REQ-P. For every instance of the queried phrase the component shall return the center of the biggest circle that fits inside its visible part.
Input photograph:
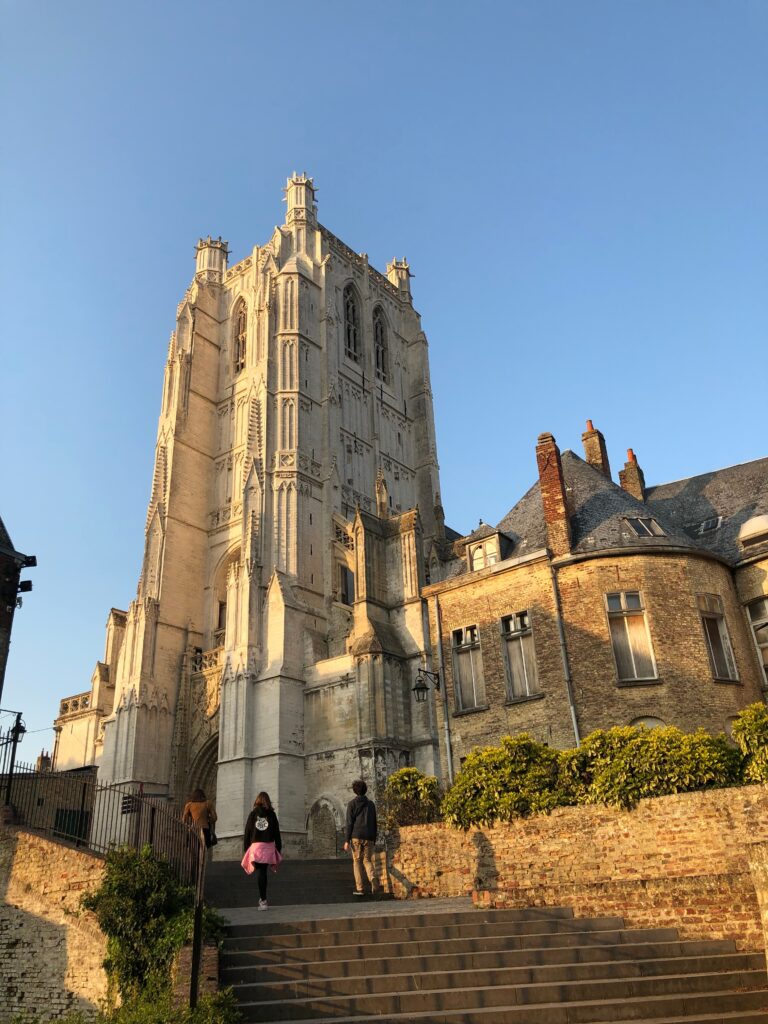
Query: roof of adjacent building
(736, 493)
(6, 544)
(600, 511)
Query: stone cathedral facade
(277, 627)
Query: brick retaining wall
(681, 861)
(51, 951)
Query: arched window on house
(351, 324)
(380, 344)
(241, 325)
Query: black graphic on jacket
(262, 827)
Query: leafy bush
(220, 1008)
(147, 916)
(657, 762)
(750, 731)
(618, 767)
(410, 798)
(518, 778)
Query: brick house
(593, 604)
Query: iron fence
(72, 806)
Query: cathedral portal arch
(203, 770)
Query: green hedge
(617, 767)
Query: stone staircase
(533, 966)
(297, 882)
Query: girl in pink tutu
(262, 843)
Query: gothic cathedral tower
(277, 627)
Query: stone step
(376, 984)
(374, 934)
(655, 999)
(483, 943)
(499, 957)
(712, 1008)
(417, 919)
(296, 882)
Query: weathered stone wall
(51, 951)
(679, 861)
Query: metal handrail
(72, 806)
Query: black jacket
(262, 827)
(361, 818)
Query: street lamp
(421, 689)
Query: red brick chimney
(595, 450)
(631, 477)
(553, 495)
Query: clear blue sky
(580, 188)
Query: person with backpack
(262, 843)
(361, 832)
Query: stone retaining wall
(51, 951)
(681, 861)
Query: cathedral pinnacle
(211, 258)
(300, 196)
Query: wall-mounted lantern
(421, 689)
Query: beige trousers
(362, 857)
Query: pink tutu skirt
(260, 853)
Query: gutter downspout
(443, 690)
(564, 653)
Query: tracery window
(241, 324)
(351, 324)
(380, 344)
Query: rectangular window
(630, 637)
(520, 663)
(758, 616)
(467, 668)
(346, 585)
(718, 642)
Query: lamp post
(421, 689)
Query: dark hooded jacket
(361, 819)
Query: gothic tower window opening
(241, 326)
(351, 324)
(380, 344)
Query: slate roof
(601, 509)
(737, 493)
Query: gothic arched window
(380, 344)
(351, 324)
(241, 324)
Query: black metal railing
(72, 806)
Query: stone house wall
(684, 693)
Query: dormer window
(709, 525)
(645, 527)
(483, 554)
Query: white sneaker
(263, 905)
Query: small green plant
(516, 779)
(750, 732)
(410, 798)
